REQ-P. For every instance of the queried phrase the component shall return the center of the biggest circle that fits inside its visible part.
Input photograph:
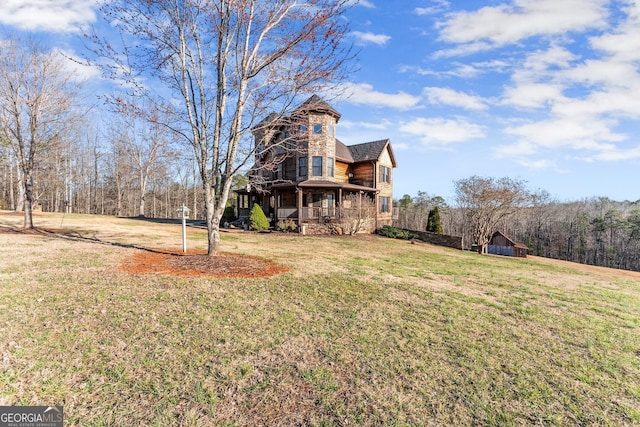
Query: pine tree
(257, 219)
(433, 221)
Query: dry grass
(365, 331)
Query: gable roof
(343, 153)
(317, 104)
(267, 121)
(370, 151)
(515, 244)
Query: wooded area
(595, 231)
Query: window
(317, 128)
(385, 174)
(316, 166)
(384, 204)
(332, 131)
(330, 166)
(303, 128)
(302, 166)
(243, 201)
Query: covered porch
(316, 201)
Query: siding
(363, 174)
(342, 172)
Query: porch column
(276, 205)
(375, 197)
(339, 206)
(299, 205)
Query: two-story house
(304, 173)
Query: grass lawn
(359, 331)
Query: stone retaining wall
(439, 239)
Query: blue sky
(547, 91)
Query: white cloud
(624, 41)
(577, 133)
(446, 96)
(365, 3)
(439, 6)
(539, 164)
(364, 94)
(616, 154)
(380, 125)
(366, 38)
(63, 16)
(532, 95)
(504, 24)
(441, 131)
(75, 65)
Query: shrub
(257, 219)
(433, 222)
(286, 225)
(229, 214)
(396, 233)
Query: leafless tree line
(596, 231)
(97, 174)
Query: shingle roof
(369, 151)
(267, 121)
(509, 239)
(343, 153)
(315, 103)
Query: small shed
(500, 244)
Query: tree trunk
(213, 226)
(28, 200)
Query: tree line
(596, 231)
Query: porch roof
(325, 184)
(332, 184)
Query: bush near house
(257, 219)
(229, 214)
(396, 233)
(286, 225)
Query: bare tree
(229, 62)
(145, 141)
(37, 97)
(488, 201)
(357, 213)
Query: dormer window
(317, 128)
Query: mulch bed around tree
(195, 264)
(176, 263)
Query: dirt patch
(31, 231)
(195, 264)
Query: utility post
(184, 211)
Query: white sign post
(185, 214)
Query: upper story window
(332, 131)
(303, 169)
(316, 166)
(330, 166)
(317, 128)
(302, 128)
(385, 174)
